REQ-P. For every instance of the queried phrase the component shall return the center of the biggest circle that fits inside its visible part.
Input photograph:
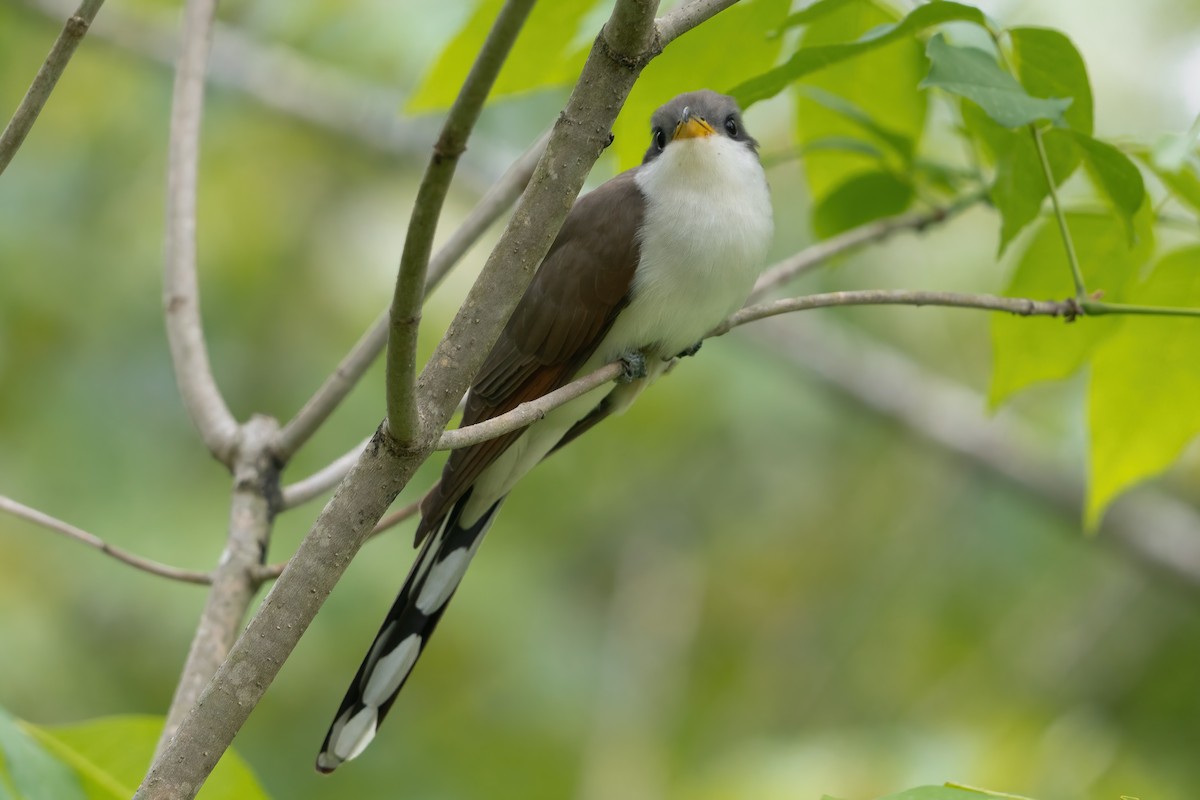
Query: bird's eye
(731, 126)
(660, 138)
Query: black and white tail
(431, 583)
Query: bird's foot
(633, 366)
(689, 351)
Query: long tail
(431, 583)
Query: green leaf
(35, 772)
(976, 75)
(1114, 175)
(1145, 386)
(692, 61)
(1030, 350)
(934, 793)
(1182, 179)
(546, 53)
(1050, 66)
(110, 757)
(807, 60)
(812, 13)
(898, 143)
(859, 200)
(870, 98)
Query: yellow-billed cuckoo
(643, 267)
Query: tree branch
(405, 315)
(818, 254)
(10, 506)
(688, 15)
(45, 80)
(181, 298)
(383, 469)
(351, 369)
(235, 579)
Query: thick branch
(351, 369)
(181, 297)
(405, 316)
(44, 82)
(235, 579)
(383, 470)
(8, 505)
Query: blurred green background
(772, 592)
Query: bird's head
(696, 117)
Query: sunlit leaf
(1029, 350)
(861, 199)
(545, 53)
(807, 60)
(110, 757)
(934, 793)
(34, 771)
(1049, 66)
(870, 97)
(1145, 386)
(977, 76)
(1182, 179)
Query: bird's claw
(689, 351)
(633, 366)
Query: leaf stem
(1068, 242)
(1094, 308)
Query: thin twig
(181, 298)
(529, 412)
(8, 505)
(686, 16)
(47, 77)
(816, 255)
(1025, 307)
(405, 316)
(324, 479)
(351, 369)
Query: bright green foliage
(1114, 175)
(859, 200)
(868, 100)
(975, 75)
(713, 56)
(807, 60)
(1034, 349)
(108, 758)
(31, 771)
(942, 793)
(1049, 66)
(1180, 177)
(547, 53)
(1145, 385)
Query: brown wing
(564, 315)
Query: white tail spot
(356, 734)
(390, 671)
(442, 580)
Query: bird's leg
(689, 351)
(634, 364)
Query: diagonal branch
(613, 64)
(44, 82)
(405, 316)
(181, 298)
(10, 506)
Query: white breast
(707, 228)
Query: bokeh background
(754, 585)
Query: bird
(643, 267)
